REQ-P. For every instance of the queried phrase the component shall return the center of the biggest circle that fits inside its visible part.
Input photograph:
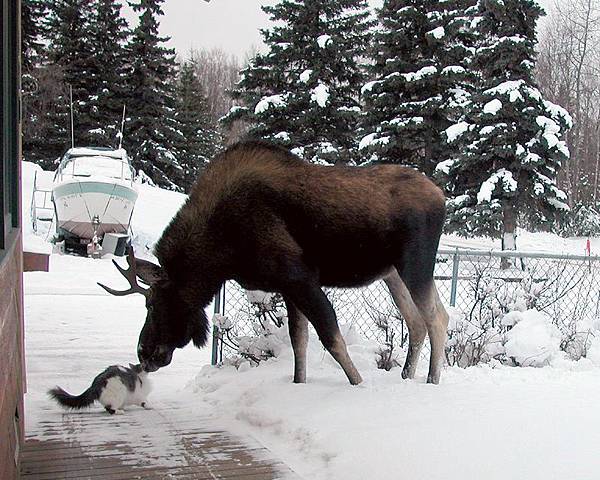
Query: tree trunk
(509, 232)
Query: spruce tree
(512, 140)
(421, 80)
(151, 134)
(33, 32)
(200, 140)
(70, 50)
(109, 34)
(303, 93)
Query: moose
(265, 218)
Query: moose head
(170, 321)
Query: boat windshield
(95, 166)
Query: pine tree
(34, 73)
(70, 50)
(32, 33)
(200, 140)
(109, 35)
(421, 80)
(151, 132)
(303, 93)
(512, 140)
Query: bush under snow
(534, 341)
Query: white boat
(94, 194)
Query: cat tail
(71, 401)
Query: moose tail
(71, 401)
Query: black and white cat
(115, 388)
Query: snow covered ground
(492, 421)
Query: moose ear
(148, 272)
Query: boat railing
(42, 208)
(67, 169)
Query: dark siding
(12, 373)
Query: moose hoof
(408, 373)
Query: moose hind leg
(298, 327)
(436, 319)
(416, 325)
(313, 303)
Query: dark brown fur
(263, 217)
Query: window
(10, 133)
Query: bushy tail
(70, 401)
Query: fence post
(215, 333)
(454, 285)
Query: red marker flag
(588, 247)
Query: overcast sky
(232, 25)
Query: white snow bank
(534, 341)
(388, 427)
(153, 211)
(35, 244)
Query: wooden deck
(162, 443)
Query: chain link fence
(480, 286)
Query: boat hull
(84, 208)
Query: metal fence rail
(482, 285)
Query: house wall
(11, 361)
(12, 370)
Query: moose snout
(159, 357)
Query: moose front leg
(298, 327)
(310, 300)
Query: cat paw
(110, 410)
(145, 405)
(119, 411)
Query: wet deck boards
(163, 443)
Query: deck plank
(165, 444)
